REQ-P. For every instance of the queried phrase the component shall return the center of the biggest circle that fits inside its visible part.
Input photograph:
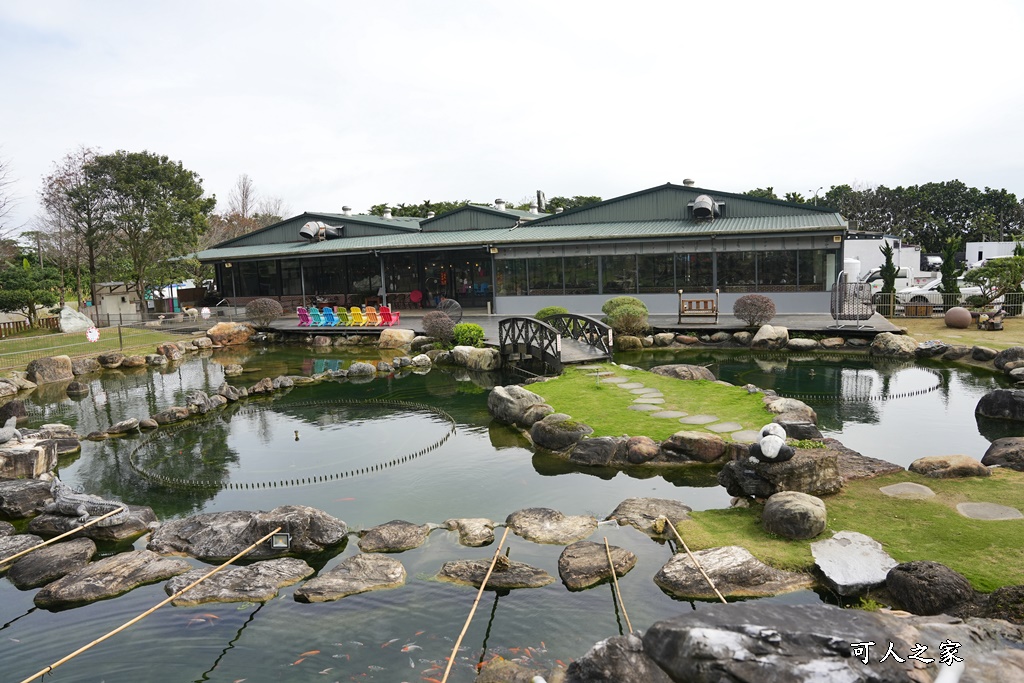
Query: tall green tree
(156, 211)
(951, 269)
(24, 287)
(418, 210)
(763, 193)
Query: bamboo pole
(50, 668)
(693, 559)
(63, 535)
(455, 650)
(615, 581)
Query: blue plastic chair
(316, 319)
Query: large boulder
(507, 574)
(140, 520)
(217, 536)
(646, 514)
(927, 588)
(170, 351)
(231, 334)
(510, 404)
(558, 431)
(852, 562)
(814, 471)
(770, 337)
(481, 360)
(619, 659)
(597, 452)
(693, 446)
(108, 578)
(23, 497)
(50, 563)
(28, 458)
(889, 345)
(110, 360)
(73, 321)
(1006, 452)
(85, 366)
(357, 574)
(50, 369)
(395, 338)
(794, 515)
(171, 415)
(684, 371)
(1002, 404)
(949, 466)
(584, 564)
(14, 544)
(794, 409)
(733, 570)
(393, 537)
(544, 525)
(1014, 353)
(257, 582)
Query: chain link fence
(935, 304)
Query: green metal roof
(532, 234)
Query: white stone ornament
(92, 334)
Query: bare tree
(244, 198)
(7, 200)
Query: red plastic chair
(387, 317)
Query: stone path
(986, 511)
(650, 400)
(908, 490)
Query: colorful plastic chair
(372, 319)
(304, 319)
(388, 317)
(356, 316)
(329, 317)
(342, 315)
(316, 319)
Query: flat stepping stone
(258, 582)
(907, 490)
(507, 574)
(395, 536)
(723, 427)
(644, 406)
(734, 571)
(646, 390)
(649, 399)
(632, 385)
(615, 380)
(746, 436)
(989, 511)
(669, 414)
(699, 419)
(584, 564)
(544, 525)
(358, 574)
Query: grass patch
(923, 329)
(988, 553)
(605, 407)
(19, 350)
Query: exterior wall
(978, 251)
(471, 219)
(657, 304)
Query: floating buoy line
(181, 483)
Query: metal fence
(936, 304)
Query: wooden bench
(694, 307)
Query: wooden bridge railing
(524, 336)
(583, 329)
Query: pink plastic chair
(304, 319)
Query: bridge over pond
(556, 341)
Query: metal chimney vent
(346, 210)
(688, 182)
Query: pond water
(384, 460)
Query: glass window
(581, 275)
(656, 274)
(329, 276)
(737, 271)
(364, 271)
(291, 278)
(776, 271)
(401, 273)
(511, 277)
(545, 276)
(693, 272)
(248, 278)
(813, 270)
(269, 283)
(619, 274)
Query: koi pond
(388, 451)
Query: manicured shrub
(468, 334)
(263, 311)
(754, 309)
(438, 325)
(548, 311)
(628, 319)
(616, 302)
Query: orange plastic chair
(372, 318)
(356, 317)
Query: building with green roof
(649, 244)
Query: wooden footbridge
(556, 341)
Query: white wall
(976, 251)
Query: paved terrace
(805, 323)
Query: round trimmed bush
(628, 319)
(263, 311)
(549, 311)
(618, 301)
(468, 334)
(438, 325)
(754, 309)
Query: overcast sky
(326, 104)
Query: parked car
(929, 293)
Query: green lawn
(18, 351)
(988, 553)
(605, 407)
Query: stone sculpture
(67, 501)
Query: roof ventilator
(705, 208)
(318, 231)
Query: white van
(904, 278)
